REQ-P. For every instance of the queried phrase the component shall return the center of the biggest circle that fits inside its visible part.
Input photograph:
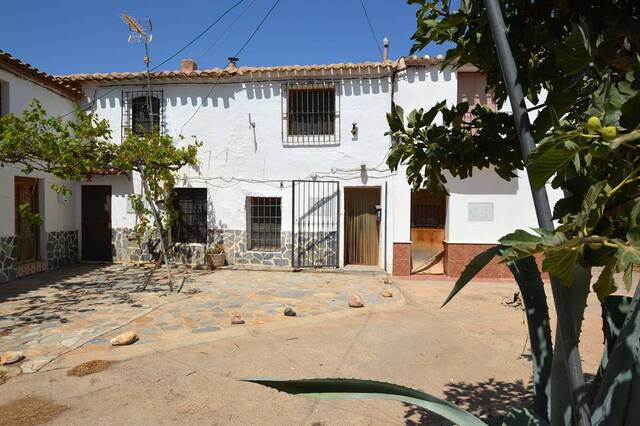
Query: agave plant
(579, 63)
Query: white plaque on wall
(480, 212)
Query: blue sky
(72, 36)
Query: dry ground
(470, 352)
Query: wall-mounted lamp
(354, 130)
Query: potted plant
(215, 256)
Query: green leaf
(544, 163)
(350, 389)
(471, 270)
(630, 118)
(592, 206)
(629, 252)
(559, 261)
(634, 216)
(605, 284)
(573, 56)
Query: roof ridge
(244, 70)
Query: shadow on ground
(62, 296)
(488, 400)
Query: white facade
(240, 117)
(17, 90)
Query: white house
(292, 172)
(25, 248)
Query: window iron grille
(311, 113)
(191, 207)
(135, 112)
(265, 222)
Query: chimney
(385, 52)
(233, 64)
(188, 66)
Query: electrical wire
(257, 28)
(197, 109)
(237, 18)
(373, 33)
(90, 105)
(206, 30)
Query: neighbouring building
(292, 172)
(24, 247)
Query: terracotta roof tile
(23, 68)
(290, 70)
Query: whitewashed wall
(512, 204)
(17, 93)
(238, 160)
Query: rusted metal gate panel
(361, 226)
(314, 223)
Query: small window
(428, 210)
(265, 221)
(141, 121)
(472, 88)
(311, 114)
(142, 112)
(191, 207)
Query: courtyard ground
(473, 352)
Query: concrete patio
(80, 309)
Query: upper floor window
(311, 113)
(472, 88)
(142, 112)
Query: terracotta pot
(215, 260)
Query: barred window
(191, 207)
(311, 113)
(428, 210)
(265, 221)
(136, 117)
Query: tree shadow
(59, 297)
(489, 400)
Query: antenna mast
(140, 30)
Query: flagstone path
(51, 314)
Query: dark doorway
(361, 226)
(96, 223)
(26, 230)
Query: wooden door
(362, 226)
(96, 223)
(26, 193)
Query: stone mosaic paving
(52, 313)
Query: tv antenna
(140, 31)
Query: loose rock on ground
(124, 339)
(11, 357)
(356, 302)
